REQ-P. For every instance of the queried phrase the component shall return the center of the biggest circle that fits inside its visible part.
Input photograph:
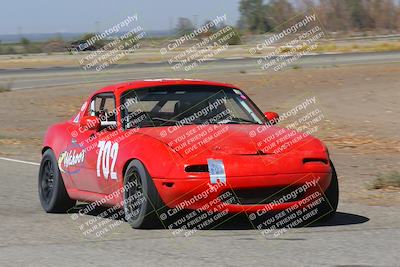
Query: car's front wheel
(328, 207)
(52, 193)
(142, 202)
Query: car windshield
(187, 104)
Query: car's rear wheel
(142, 202)
(328, 207)
(52, 193)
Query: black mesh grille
(263, 195)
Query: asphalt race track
(358, 236)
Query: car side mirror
(90, 123)
(272, 117)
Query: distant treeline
(258, 16)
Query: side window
(103, 107)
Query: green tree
(278, 12)
(383, 14)
(25, 42)
(252, 16)
(337, 15)
(359, 17)
(184, 26)
(29, 47)
(231, 37)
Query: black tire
(329, 206)
(142, 203)
(52, 193)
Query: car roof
(121, 87)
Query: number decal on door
(106, 159)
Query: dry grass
(372, 47)
(325, 47)
(5, 87)
(387, 180)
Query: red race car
(157, 147)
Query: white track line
(21, 161)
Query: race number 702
(106, 159)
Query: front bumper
(245, 192)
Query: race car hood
(233, 139)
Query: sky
(52, 16)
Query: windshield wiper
(237, 121)
(160, 123)
(171, 120)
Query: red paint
(247, 164)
